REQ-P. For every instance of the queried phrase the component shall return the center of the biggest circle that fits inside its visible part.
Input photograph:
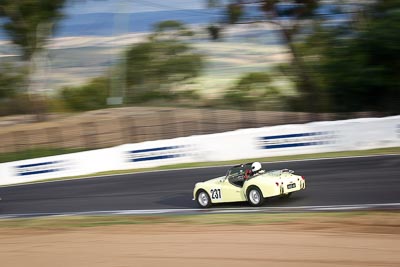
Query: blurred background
(78, 75)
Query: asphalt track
(344, 181)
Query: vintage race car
(241, 184)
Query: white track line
(215, 210)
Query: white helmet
(255, 167)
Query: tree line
(347, 67)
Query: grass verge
(381, 218)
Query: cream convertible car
(247, 182)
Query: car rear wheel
(255, 197)
(203, 199)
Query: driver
(256, 168)
(249, 172)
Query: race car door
(232, 185)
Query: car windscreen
(235, 172)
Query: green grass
(380, 151)
(36, 153)
(70, 222)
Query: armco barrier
(293, 139)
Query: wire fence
(98, 132)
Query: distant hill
(108, 24)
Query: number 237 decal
(216, 194)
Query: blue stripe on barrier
(153, 149)
(292, 135)
(36, 164)
(156, 157)
(295, 145)
(38, 172)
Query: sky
(130, 6)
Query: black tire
(203, 199)
(254, 196)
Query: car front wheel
(203, 199)
(255, 197)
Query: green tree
(87, 97)
(11, 81)
(172, 29)
(359, 69)
(301, 11)
(27, 22)
(13, 99)
(214, 32)
(254, 90)
(160, 64)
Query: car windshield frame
(244, 167)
